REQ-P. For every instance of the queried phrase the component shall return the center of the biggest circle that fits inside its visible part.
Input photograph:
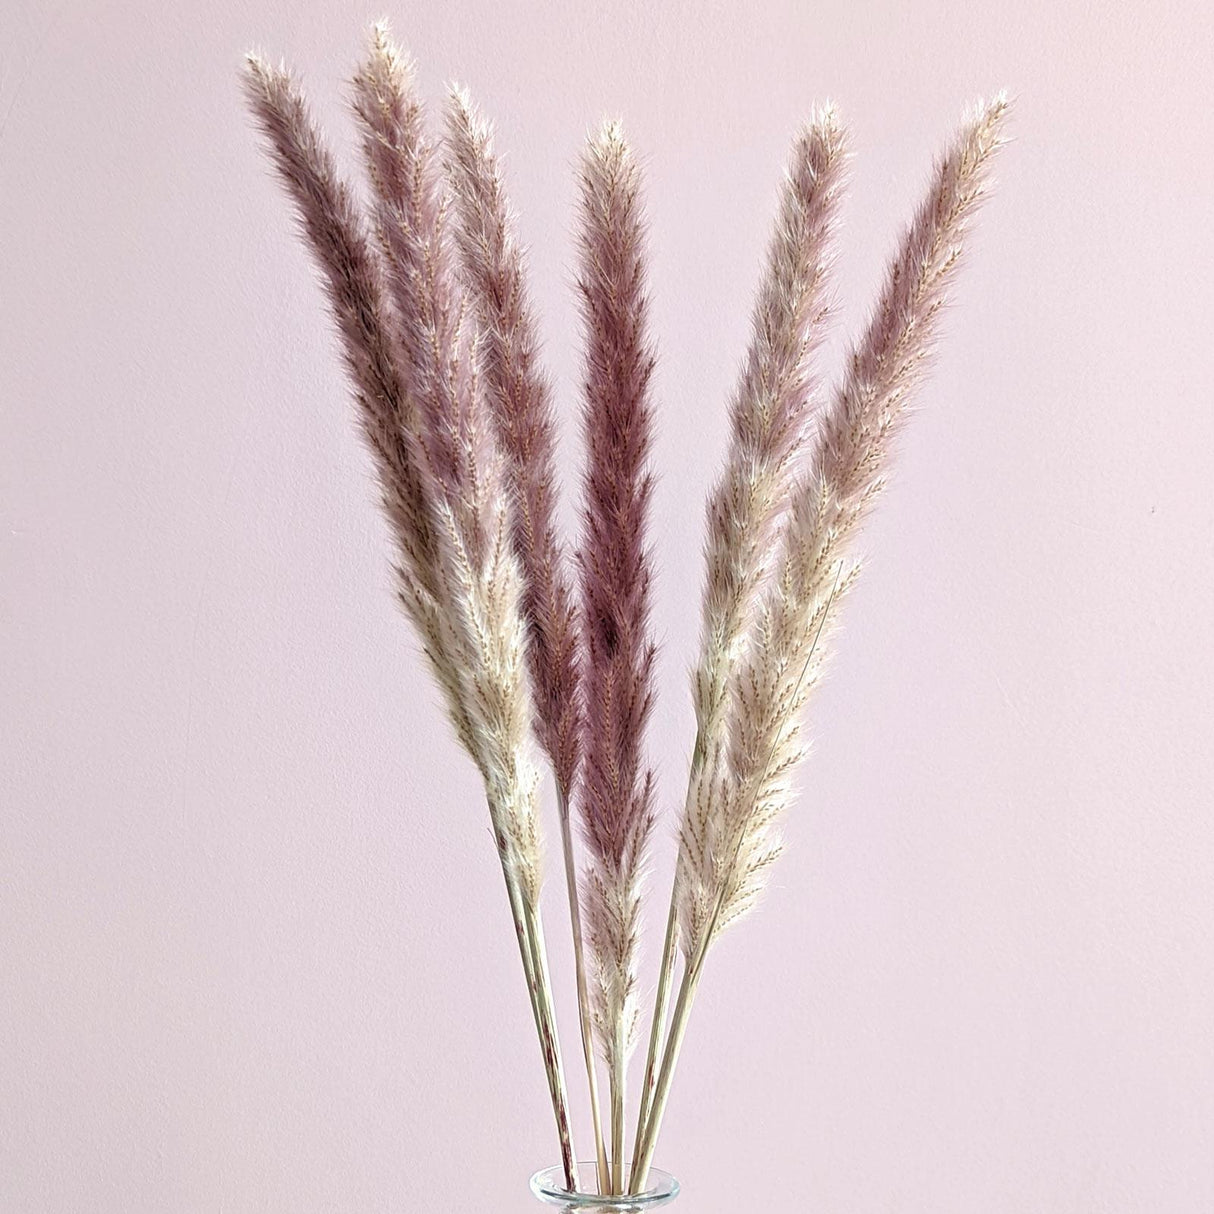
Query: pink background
(254, 953)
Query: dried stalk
(648, 1135)
(440, 344)
(657, 1027)
(616, 789)
(531, 948)
(521, 406)
(551, 1044)
(769, 413)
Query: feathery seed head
(520, 403)
(742, 786)
(616, 790)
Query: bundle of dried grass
(427, 287)
(729, 840)
(423, 412)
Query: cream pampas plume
(771, 407)
(422, 412)
(616, 793)
(521, 403)
(847, 472)
(741, 795)
(770, 424)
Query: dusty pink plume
(520, 397)
(616, 793)
(890, 361)
(332, 224)
(422, 274)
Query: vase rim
(549, 1186)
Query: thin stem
(583, 998)
(618, 1076)
(660, 1005)
(520, 931)
(678, 1026)
(537, 1009)
(551, 1042)
(531, 947)
(661, 1001)
(695, 962)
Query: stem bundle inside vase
(530, 643)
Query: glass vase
(549, 1187)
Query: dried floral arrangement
(425, 279)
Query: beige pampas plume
(770, 413)
(855, 441)
(480, 627)
(771, 407)
(742, 791)
(521, 404)
(481, 585)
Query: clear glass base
(549, 1186)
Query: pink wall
(236, 973)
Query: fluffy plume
(410, 208)
(729, 838)
(480, 627)
(480, 580)
(616, 788)
(740, 796)
(332, 224)
(778, 386)
(770, 409)
(770, 427)
(521, 403)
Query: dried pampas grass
(770, 416)
(521, 402)
(616, 794)
(423, 412)
(729, 838)
(427, 286)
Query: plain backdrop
(254, 953)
